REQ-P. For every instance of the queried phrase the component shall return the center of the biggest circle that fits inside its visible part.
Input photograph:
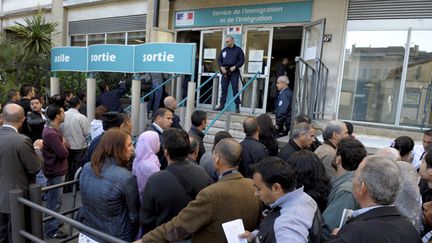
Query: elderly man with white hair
(332, 134)
(408, 201)
(376, 185)
(283, 106)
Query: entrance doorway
(264, 48)
(287, 42)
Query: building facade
(378, 53)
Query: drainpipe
(156, 13)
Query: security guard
(283, 106)
(230, 61)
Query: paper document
(346, 214)
(232, 231)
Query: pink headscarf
(146, 162)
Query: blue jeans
(54, 202)
(155, 97)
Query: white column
(54, 86)
(91, 98)
(179, 90)
(190, 105)
(136, 92)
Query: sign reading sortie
(150, 58)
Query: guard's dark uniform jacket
(283, 110)
(231, 57)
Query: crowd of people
(165, 186)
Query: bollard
(35, 194)
(215, 92)
(143, 117)
(17, 215)
(190, 105)
(227, 121)
(254, 96)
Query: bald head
(229, 150)
(13, 114)
(170, 102)
(250, 126)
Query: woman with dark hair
(267, 134)
(310, 172)
(109, 191)
(405, 146)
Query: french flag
(234, 29)
(185, 16)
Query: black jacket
(111, 99)
(383, 225)
(290, 148)
(164, 196)
(160, 154)
(199, 135)
(253, 152)
(36, 124)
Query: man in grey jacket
(18, 163)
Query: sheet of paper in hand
(232, 231)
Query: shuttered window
(108, 25)
(389, 9)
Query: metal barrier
(183, 101)
(17, 203)
(228, 104)
(152, 91)
(310, 90)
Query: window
(136, 38)
(369, 92)
(96, 39)
(78, 40)
(116, 38)
(415, 110)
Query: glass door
(258, 45)
(313, 35)
(211, 43)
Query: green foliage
(35, 34)
(26, 61)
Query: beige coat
(230, 198)
(326, 154)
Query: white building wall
(335, 13)
(14, 5)
(107, 10)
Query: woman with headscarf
(146, 161)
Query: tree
(26, 60)
(35, 33)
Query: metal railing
(183, 101)
(18, 201)
(229, 103)
(152, 91)
(310, 90)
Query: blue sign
(110, 58)
(69, 59)
(165, 58)
(291, 12)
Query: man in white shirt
(420, 150)
(75, 129)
